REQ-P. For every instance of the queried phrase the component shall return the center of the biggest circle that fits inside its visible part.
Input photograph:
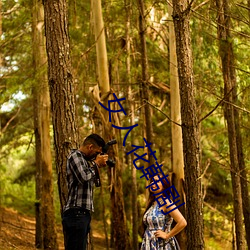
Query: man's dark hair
(94, 139)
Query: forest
(174, 75)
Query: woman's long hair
(166, 184)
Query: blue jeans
(76, 226)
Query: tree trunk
(176, 132)
(144, 85)
(233, 236)
(61, 88)
(243, 179)
(134, 192)
(230, 93)
(118, 214)
(39, 228)
(189, 126)
(132, 122)
(117, 203)
(1, 32)
(1, 62)
(46, 237)
(133, 174)
(101, 51)
(104, 219)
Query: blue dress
(155, 220)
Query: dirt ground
(18, 232)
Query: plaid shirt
(80, 179)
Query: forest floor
(18, 232)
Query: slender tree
(231, 115)
(144, 88)
(243, 180)
(117, 203)
(1, 31)
(102, 68)
(181, 16)
(176, 131)
(132, 122)
(46, 237)
(101, 51)
(61, 87)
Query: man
(82, 169)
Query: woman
(158, 234)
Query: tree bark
(1, 62)
(144, 89)
(243, 178)
(104, 219)
(1, 32)
(101, 51)
(231, 116)
(61, 87)
(117, 203)
(176, 131)
(132, 122)
(181, 16)
(46, 237)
